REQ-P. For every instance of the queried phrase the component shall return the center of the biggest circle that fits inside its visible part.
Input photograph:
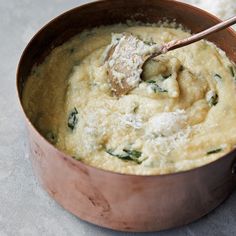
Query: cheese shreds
(167, 123)
(166, 131)
(132, 120)
(166, 144)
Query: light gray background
(25, 209)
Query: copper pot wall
(119, 201)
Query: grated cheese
(167, 123)
(132, 120)
(167, 131)
(167, 144)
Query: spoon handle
(196, 37)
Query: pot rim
(94, 168)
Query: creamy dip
(181, 115)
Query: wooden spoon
(127, 55)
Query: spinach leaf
(133, 153)
(155, 87)
(51, 137)
(73, 119)
(71, 50)
(128, 155)
(77, 158)
(214, 151)
(213, 100)
(232, 71)
(181, 68)
(166, 76)
(135, 109)
(217, 77)
(151, 81)
(149, 43)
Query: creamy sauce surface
(181, 115)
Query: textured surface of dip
(182, 115)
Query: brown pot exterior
(119, 201)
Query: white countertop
(25, 209)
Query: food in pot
(180, 116)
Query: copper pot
(121, 201)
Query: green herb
(51, 137)
(73, 119)
(155, 87)
(133, 153)
(214, 151)
(213, 100)
(135, 109)
(128, 155)
(77, 158)
(151, 81)
(181, 68)
(166, 76)
(71, 50)
(149, 43)
(232, 71)
(217, 77)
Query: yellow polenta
(182, 115)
